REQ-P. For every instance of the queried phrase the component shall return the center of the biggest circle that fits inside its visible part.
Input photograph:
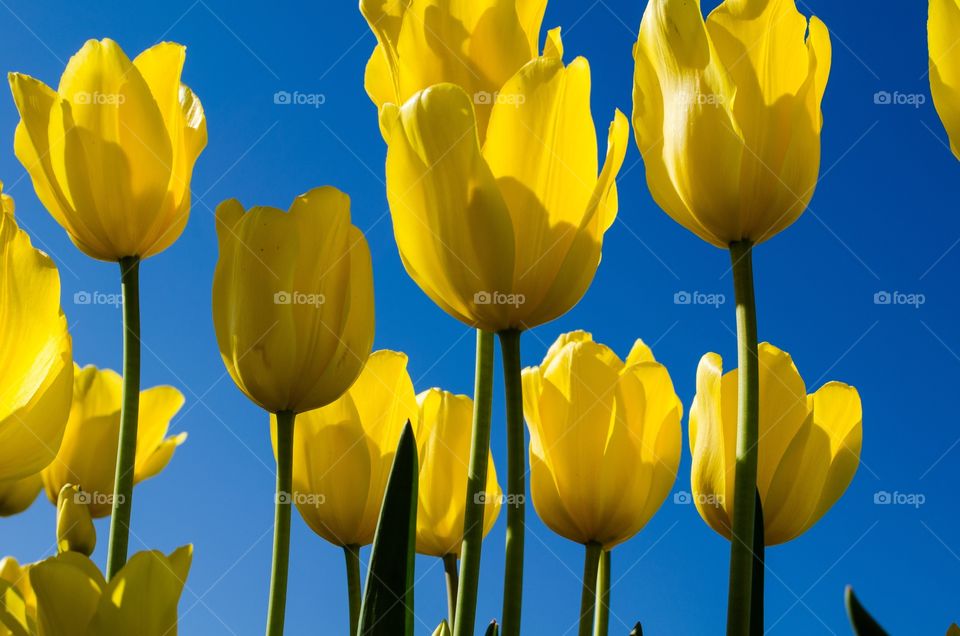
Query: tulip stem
(516, 483)
(281, 524)
(745, 479)
(351, 554)
(588, 597)
(466, 612)
(601, 624)
(129, 414)
(450, 574)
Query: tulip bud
(75, 531)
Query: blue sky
(883, 219)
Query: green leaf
(953, 630)
(442, 629)
(387, 608)
(637, 630)
(863, 624)
(492, 629)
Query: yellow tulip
(604, 439)
(727, 114)
(293, 300)
(16, 495)
(342, 453)
(443, 428)
(809, 445)
(36, 375)
(66, 595)
(88, 454)
(111, 151)
(476, 44)
(75, 530)
(942, 29)
(506, 234)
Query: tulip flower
(37, 371)
(604, 445)
(727, 114)
(809, 445)
(477, 45)
(68, 596)
(111, 154)
(443, 434)
(293, 313)
(16, 495)
(89, 450)
(942, 29)
(75, 530)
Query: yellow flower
(809, 445)
(942, 30)
(507, 234)
(66, 595)
(111, 151)
(293, 300)
(604, 439)
(36, 373)
(342, 453)
(75, 530)
(88, 455)
(443, 428)
(476, 44)
(16, 495)
(727, 114)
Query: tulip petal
(158, 406)
(783, 408)
(16, 495)
(942, 29)
(68, 589)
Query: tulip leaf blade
(637, 630)
(863, 624)
(387, 608)
(492, 629)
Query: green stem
(588, 598)
(281, 524)
(601, 624)
(351, 555)
(745, 480)
(476, 483)
(129, 414)
(759, 549)
(450, 574)
(516, 483)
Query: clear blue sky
(883, 219)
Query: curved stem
(476, 482)
(450, 574)
(601, 624)
(351, 555)
(588, 598)
(516, 483)
(281, 524)
(745, 480)
(129, 414)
